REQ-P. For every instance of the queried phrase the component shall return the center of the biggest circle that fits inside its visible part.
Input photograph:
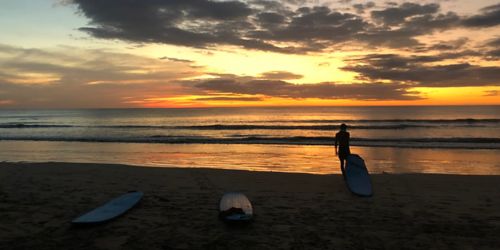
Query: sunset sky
(204, 53)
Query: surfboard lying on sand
(357, 176)
(110, 210)
(235, 207)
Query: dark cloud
(415, 70)
(296, 2)
(109, 12)
(489, 17)
(494, 42)
(270, 5)
(344, 1)
(426, 24)
(394, 61)
(259, 45)
(318, 23)
(360, 8)
(492, 48)
(493, 55)
(196, 23)
(402, 24)
(277, 26)
(280, 75)
(397, 15)
(313, 29)
(175, 59)
(271, 18)
(225, 98)
(283, 89)
(450, 45)
(398, 38)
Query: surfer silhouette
(342, 141)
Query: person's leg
(342, 160)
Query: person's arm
(336, 139)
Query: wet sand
(278, 158)
(293, 211)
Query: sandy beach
(293, 211)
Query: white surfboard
(111, 209)
(357, 176)
(234, 207)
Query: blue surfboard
(357, 176)
(110, 210)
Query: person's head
(343, 127)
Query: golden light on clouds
(228, 60)
(252, 53)
(237, 101)
(460, 95)
(27, 78)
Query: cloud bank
(326, 90)
(416, 70)
(278, 26)
(68, 76)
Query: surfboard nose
(112, 209)
(235, 206)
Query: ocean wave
(241, 126)
(335, 121)
(295, 127)
(22, 125)
(471, 143)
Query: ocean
(277, 139)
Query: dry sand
(293, 211)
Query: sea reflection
(280, 158)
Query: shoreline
(293, 211)
(333, 173)
(488, 145)
(276, 158)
